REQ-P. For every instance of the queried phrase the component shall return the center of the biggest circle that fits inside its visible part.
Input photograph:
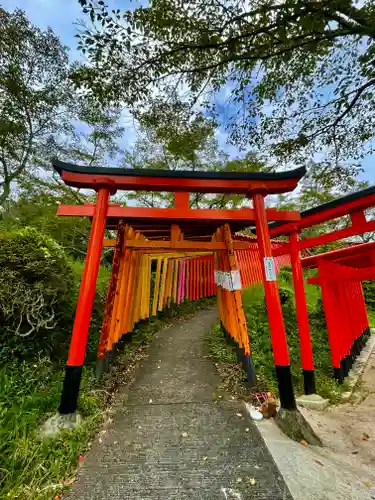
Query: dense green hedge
(39, 286)
(36, 284)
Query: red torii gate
(353, 205)
(194, 223)
(340, 273)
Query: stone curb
(359, 366)
(312, 402)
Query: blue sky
(60, 16)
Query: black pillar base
(113, 353)
(244, 359)
(240, 353)
(102, 365)
(345, 365)
(309, 381)
(69, 396)
(284, 379)
(338, 375)
(248, 366)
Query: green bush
(38, 210)
(36, 285)
(369, 292)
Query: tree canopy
(300, 72)
(34, 93)
(170, 138)
(41, 114)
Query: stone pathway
(170, 439)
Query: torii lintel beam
(175, 215)
(173, 180)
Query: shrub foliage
(36, 285)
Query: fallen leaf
(318, 461)
(251, 481)
(367, 484)
(365, 437)
(70, 481)
(354, 452)
(303, 442)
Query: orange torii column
(102, 361)
(275, 315)
(243, 348)
(77, 350)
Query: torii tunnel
(184, 230)
(340, 276)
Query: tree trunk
(5, 193)
(296, 427)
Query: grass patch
(40, 469)
(254, 305)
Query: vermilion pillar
(302, 316)
(77, 350)
(275, 316)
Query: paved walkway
(170, 440)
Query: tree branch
(351, 105)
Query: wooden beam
(342, 209)
(325, 238)
(271, 185)
(336, 235)
(361, 274)
(109, 243)
(181, 200)
(342, 254)
(174, 215)
(184, 245)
